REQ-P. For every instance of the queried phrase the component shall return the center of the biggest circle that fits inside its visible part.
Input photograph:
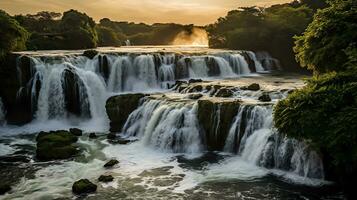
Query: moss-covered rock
(120, 107)
(224, 92)
(106, 178)
(216, 119)
(111, 163)
(55, 145)
(265, 97)
(253, 87)
(90, 53)
(76, 131)
(83, 186)
(92, 136)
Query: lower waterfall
(174, 127)
(171, 127)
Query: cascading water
(168, 126)
(252, 137)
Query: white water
(169, 127)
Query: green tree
(12, 36)
(325, 44)
(79, 30)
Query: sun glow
(196, 37)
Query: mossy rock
(265, 98)
(92, 136)
(90, 53)
(76, 131)
(216, 131)
(83, 186)
(55, 145)
(4, 188)
(111, 163)
(224, 92)
(120, 107)
(253, 87)
(106, 178)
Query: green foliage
(108, 37)
(330, 40)
(324, 112)
(79, 30)
(271, 29)
(12, 36)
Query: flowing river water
(170, 156)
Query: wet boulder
(76, 131)
(104, 67)
(92, 136)
(195, 88)
(83, 186)
(264, 98)
(111, 136)
(195, 81)
(55, 145)
(106, 178)
(120, 107)
(75, 94)
(252, 87)
(195, 96)
(90, 53)
(213, 67)
(224, 92)
(215, 119)
(111, 163)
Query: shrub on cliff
(324, 112)
(13, 37)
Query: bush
(325, 113)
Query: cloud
(149, 11)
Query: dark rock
(15, 158)
(195, 81)
(122, 141)
(90, 53)
(4, 188)
(55, 145)
(106, 179)
(250, 61)
(104, 66)
(196, 88)
(111, 136)
(76, 131)
(181, 69)
(73, 88)
(213, 68)
(92, 136)
(224, 92)
(253, 87)
(83, 186)
(111, 163)
(216, 131)
(120, 107)
(265, 98)
(195, 96)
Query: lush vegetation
(76, 30)
(13, 36)
(324, 112)
(265, 29)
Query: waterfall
(165, 125)
(253, 137)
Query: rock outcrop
(120, 107)
(216, 119)
(55, 145)
(83, 186)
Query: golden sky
(198, 12)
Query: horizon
(175, 11)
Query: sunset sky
(199, 12)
